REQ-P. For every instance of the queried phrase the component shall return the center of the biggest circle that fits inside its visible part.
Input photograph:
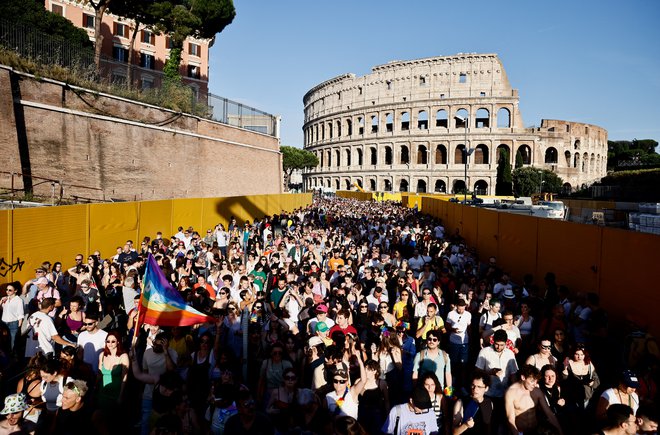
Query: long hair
(120, 346)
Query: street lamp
(468, 152)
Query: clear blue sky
(593, 61)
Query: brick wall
(115, 148)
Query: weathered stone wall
(103, 147)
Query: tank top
(72, 324)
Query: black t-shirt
(261, 426)
(73, 423)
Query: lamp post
(468, 151)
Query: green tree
(529, 180)
(296, 159)
(630, 154)
(100, 7)
(504, 180)
(519, 159)
(198, 18)
(32, 14)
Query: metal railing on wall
(44, 49)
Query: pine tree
(504, 180)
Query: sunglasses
(110, 341)
(426, 293)
(89, 323)
(432, 339)
(543, 346)
(339, 381)
(222, 293)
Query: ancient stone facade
(405, 126)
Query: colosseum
(406, 126)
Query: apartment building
(151, 50)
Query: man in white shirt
(458, 324)
(416, 416)
(42, 334)
(498, 362)
(91, 341)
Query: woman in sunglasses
(344, 398)
(544, 356)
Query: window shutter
(114, 28)
(189, 48)
(152, 38)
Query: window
(389, 85)
(462, 78)
(193, 71)
(118, 78)
(482, 94)
(57, 9)
(360, 93)
(168, 42)
(88, 21)
(148, 37)
(422, 81)
(147, 61)
(121, 30)
(147, 83)
(120, 54)
(194, 49)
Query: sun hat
(14, 403)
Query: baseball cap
(314, 341)
(629, 379)
(41, 280)
(321, 327)
(322, 308)
(420, 398)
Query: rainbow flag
(161, 304)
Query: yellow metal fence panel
(155, 216)
(186, 213)
(8, 264)
(49, 234)
(110, 225)
(517, 244)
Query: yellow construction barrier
(30, 236)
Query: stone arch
(576, 144)
(458, 186)
(373, 155)
(359, 157)
(349, 127)
(387, 185)
(592, 163)
(422, 155)
(481, 155)
(359, 183)
(441, 118)
(360, 122)
(481, 187)
(330, 130)
(389, 122)
(347, 159)
(421, 186)
(567, 156)
(462, 116)
(405, 121)
(321, 159)
(337, 158)
(459, 155)
(551, 155)
(328, 158)
(441, 155)
(422, 120)
(585, 162)
(374, 123)
(403, 185)
(372, 184)
(503, 118)
(389, 158)
(500, 149)
(483, 118)
(566, 189)
(440, 186)
(338, 128)
(404, 155)
(576, 160)
(526, 153)
(337, 186)
(347, 183)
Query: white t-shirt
(12, 310)
(92, 345)
(409, 422)
(489, 359)
(40, 338)
(462, 323)
(349, 407)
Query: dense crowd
(343, 317)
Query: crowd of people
(343, 317)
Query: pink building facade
(151, 51)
